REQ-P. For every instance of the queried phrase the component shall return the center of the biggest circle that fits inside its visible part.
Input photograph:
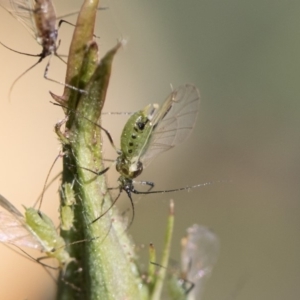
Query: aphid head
(128, 169)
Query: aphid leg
(102, 128)
(59, 82)
(45, 266)
(113, 203)
(38, 260)
(22, 74)
(128, 192)
(186, 285)
(31, 258)
(59, 56)
(47, 186)
(149, 183)
(111, 141)
(57, 129)
(27, 255)
(61, 154)
(71, 285)
(69, 23)
(64, 21)
(94, 172)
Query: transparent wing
(23, 11)
(13, 228)
(199, 255)
(177, 116)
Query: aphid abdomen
(134, 139)
(45, 21)
(136, 132)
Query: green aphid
(67, 207)
(34, 230)
(155, 129)
(152, 131)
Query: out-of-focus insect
(39, 18)
(34, 230)
(200, 250)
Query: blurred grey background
(245, 58)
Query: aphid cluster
(147, 133)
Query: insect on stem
(148, 133)
(39, 18)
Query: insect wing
(23, 11)
(13, 228)
(176, 120)
(199, 254)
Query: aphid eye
(141, 125)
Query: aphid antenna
(25, 72)
(129, 189)
(103, 214)
(46, 188)
(20, 52)
(126, 113)
(113, 203)
(133, 190)
(76, 12)
(42, 56)
(27, 255)
(126, 189)
(96, 124)
(40, 198)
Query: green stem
(157, 291)
(104, 265)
